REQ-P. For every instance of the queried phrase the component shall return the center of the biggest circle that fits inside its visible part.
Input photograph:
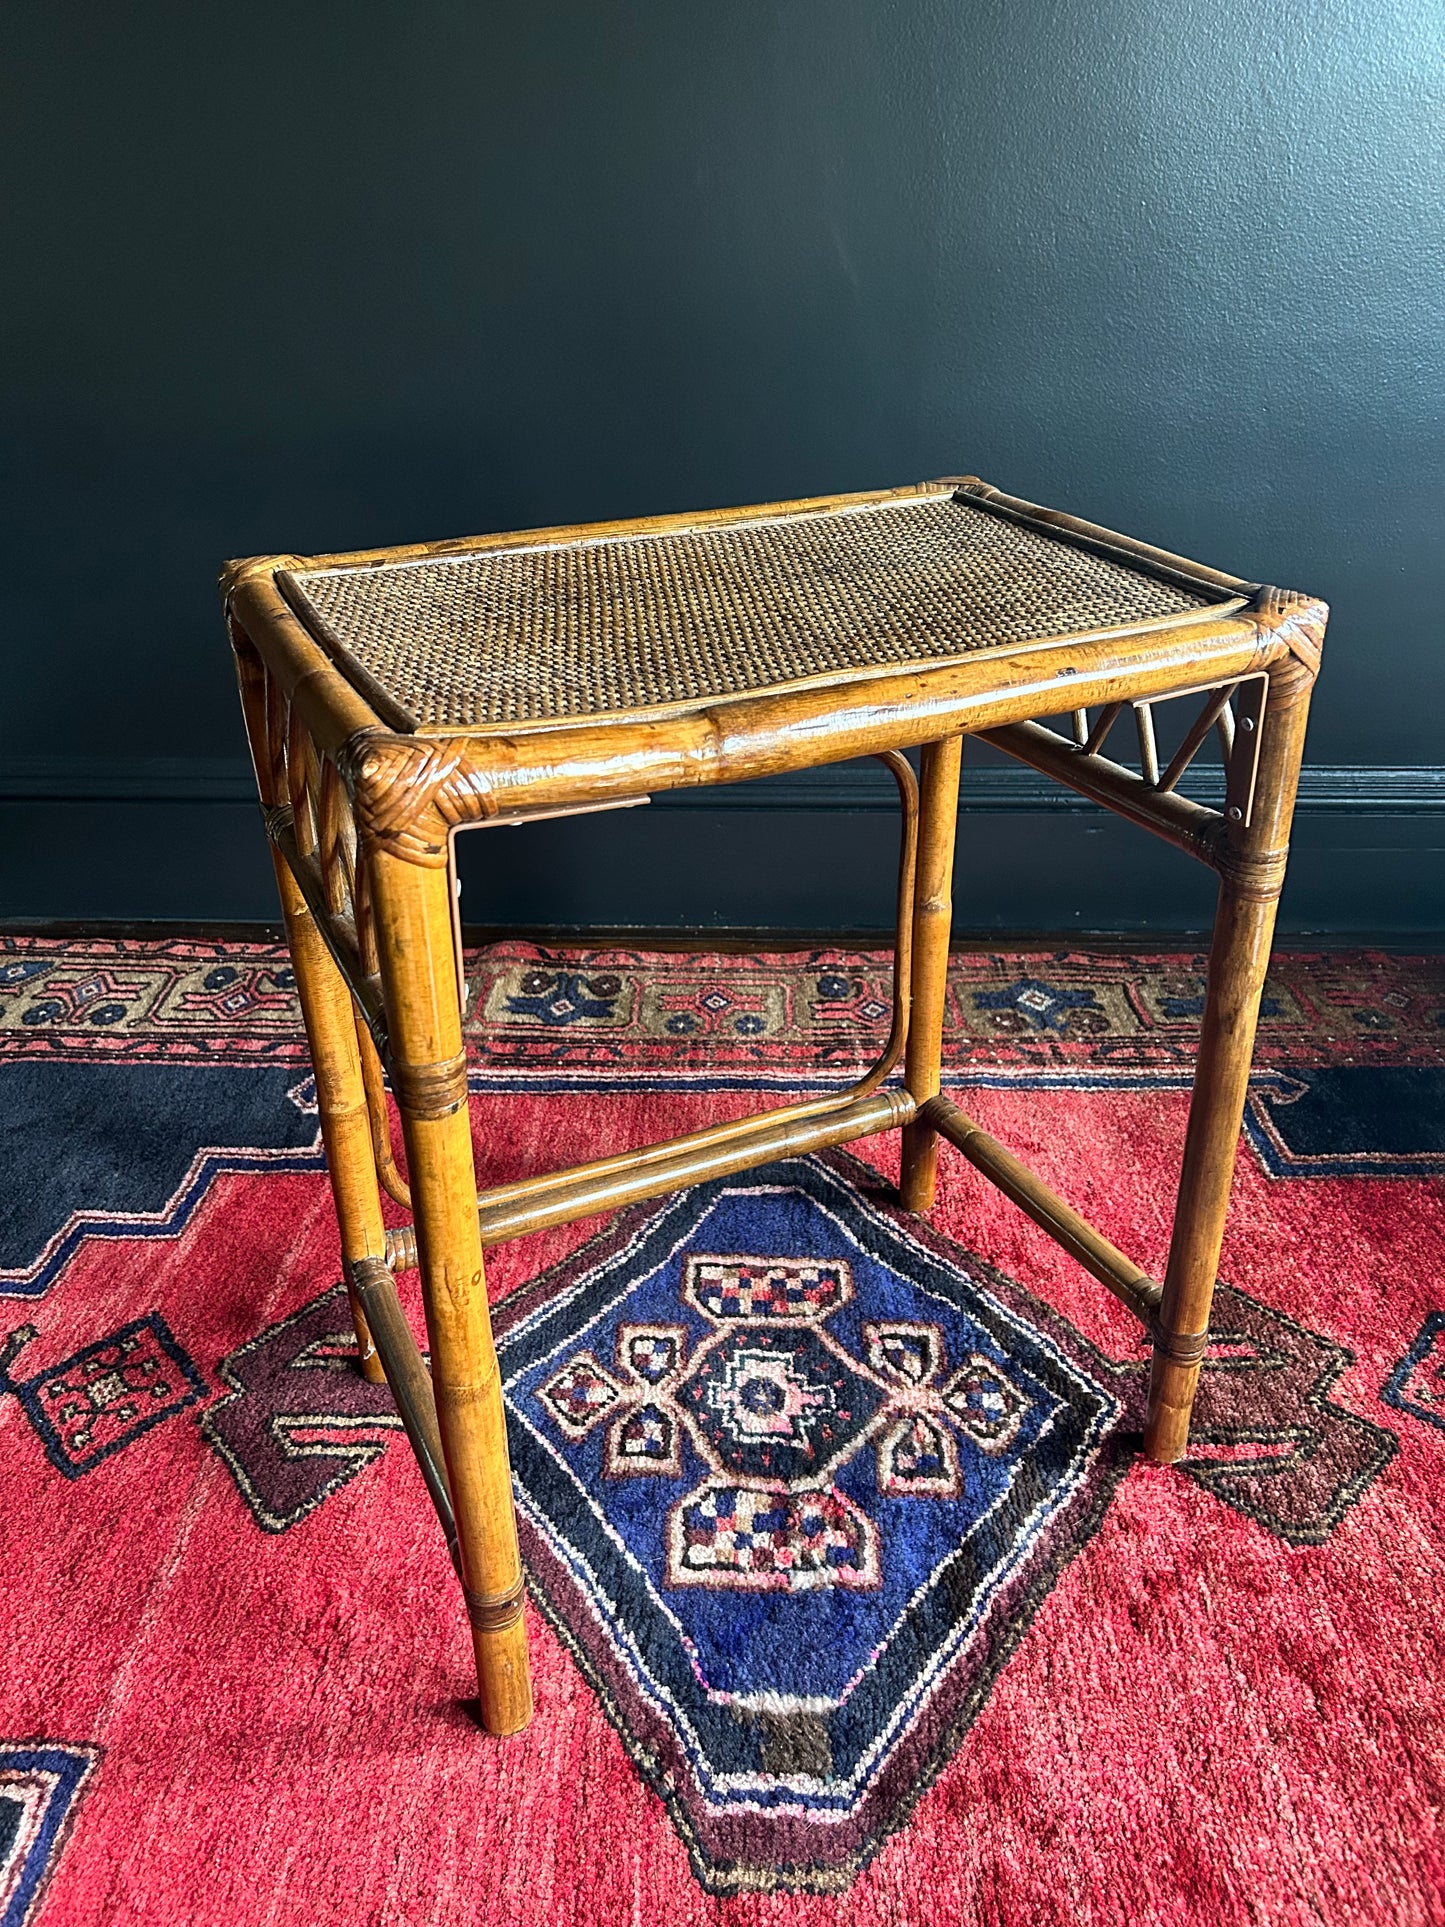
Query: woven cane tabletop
(534, 633)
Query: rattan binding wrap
(528, 635)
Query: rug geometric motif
(794, 1475)
(537, 1013)
(175, 998)
(95, 1403)
(298, 1421)
(1417, 1384)
(1265, 1436)
(41, 1782)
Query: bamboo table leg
(428, 1071)
(326, 1010)
(932, 924)
(1251, 874)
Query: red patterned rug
(850, 1598)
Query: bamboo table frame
(361, 812)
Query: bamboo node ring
(1258, 876)
(1180, 1348)
(430, 1090)
(494, 1612)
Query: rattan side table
(395, 696)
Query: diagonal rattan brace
(1190, 826)
(408, 1381)
(1065, 1226)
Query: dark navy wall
(309, 277)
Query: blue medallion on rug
(794, 1475)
